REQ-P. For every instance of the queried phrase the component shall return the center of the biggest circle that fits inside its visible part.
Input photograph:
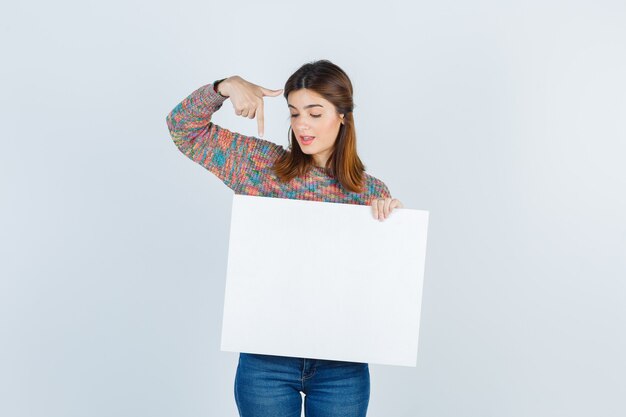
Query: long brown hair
(332, 83)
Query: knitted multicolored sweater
(244, 163)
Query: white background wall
(506, 120)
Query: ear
(342, 121)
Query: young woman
(321, 164)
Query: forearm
(192, 116)
(229, 155)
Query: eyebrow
(307, 106)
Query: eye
(313, 115)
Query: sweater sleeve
(377, 189)
(231, 156)
(384, 192)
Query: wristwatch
(215, 84)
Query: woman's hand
(247, 98)
(381, 207)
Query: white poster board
(324, 280)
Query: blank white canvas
(324, 280)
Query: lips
(307, 140)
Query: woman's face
(315, 123)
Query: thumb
(273, 93)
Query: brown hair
(332, 83)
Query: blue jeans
(270, 386)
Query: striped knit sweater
(244, 163)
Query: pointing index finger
(259, 119)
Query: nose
(301, 126)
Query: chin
(306, 149)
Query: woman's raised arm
(229, 155)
